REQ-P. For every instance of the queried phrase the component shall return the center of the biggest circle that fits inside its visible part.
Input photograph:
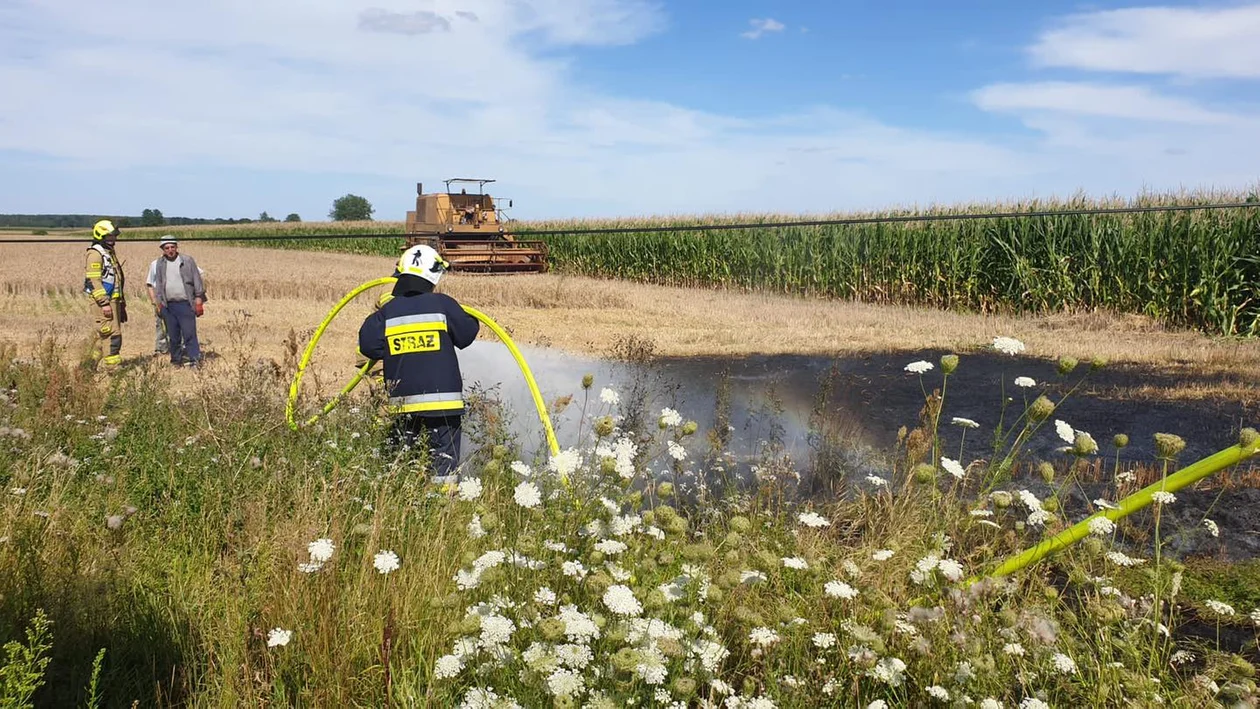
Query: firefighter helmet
(423, 261)
(103, 229)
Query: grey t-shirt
(174, 281)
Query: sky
(605, 108)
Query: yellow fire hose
(1137, 501)
(295, 386)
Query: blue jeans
(181, 331)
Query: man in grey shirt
(178, 294)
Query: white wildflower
(311, 567)
(1163, 498)
(953, 467)
(562, 464)
(840, 589)
(763, 636)
(565, 683)
(1101, 526)
(527, 495)
(521, 468)
(1219, 607)
(990, 703)
(669, 417)
(1065, 431)
(321, 550)
(1255, 616)
(610, 397)
(889, 670)
(1106, 505)
(1025, 382)
(981, 513)
(496, 630)
(824, 640)
(877, 481)
(278, 637)
(1211, 527)
(883, 555)
(877, 704)
(1008, 345)
(470, 489)
(385, 562)
(448, 666)
(573, 569)
(620, 600)
(676, 451)
(1033, 703)
(1063, 664)
(964, 422)
(475, 530)
(813, 519)
(919, 367)
(1013, 649)
(795, 562)
(950, 569)
(938, 692)
(574, 655)
(544, 596)
(1181, 657)
(610, 546)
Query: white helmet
(422, 261)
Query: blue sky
(619, 107)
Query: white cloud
(760, 27)
(1191, 42)
(1088, 99)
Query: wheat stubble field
(275, 291)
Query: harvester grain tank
(470, 231)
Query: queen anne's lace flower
(964, 422)
(670, 417)
(447, 666)
(1025, 382)
(385, 562)
(953, 467)
(813, 519)
(610, 397)
(1219, 607)
(1065, 431)
(795, 562)
(527, 495)
(882, 555)
(278, 637)
(321, 550)
(763, 636)
(620, 600)
(1101, 526)
(565, 462)
(1008, 345)
(1063, 664)
(919, 367)
(1211, 527)
(840, 589)
(470, 489)
(1163, 498)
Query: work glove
(199, 308)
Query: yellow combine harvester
(469, 231)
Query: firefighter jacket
(415, 335)
(103, 276)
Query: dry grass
(274, 291)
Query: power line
(714, 227)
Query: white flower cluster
(813, 519)
(1101, 526)
(1008, 345)
(622, 452)
(922, 572)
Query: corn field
(1185, 269)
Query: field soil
(264, 305)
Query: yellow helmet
(103, 229)
(423, 261)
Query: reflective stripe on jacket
(416, 336)
(102, 275)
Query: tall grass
(1185, 269)
(220, 560)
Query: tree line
(349, 207)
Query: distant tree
(265, 217)
(152, 217)
(293, 218)
(351, 208)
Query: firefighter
(416, 334)
(103, 283)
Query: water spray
(295, 386)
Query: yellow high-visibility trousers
(106, 336)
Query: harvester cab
(470, 231)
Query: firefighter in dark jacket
(415, 334)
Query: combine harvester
(470, 232)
